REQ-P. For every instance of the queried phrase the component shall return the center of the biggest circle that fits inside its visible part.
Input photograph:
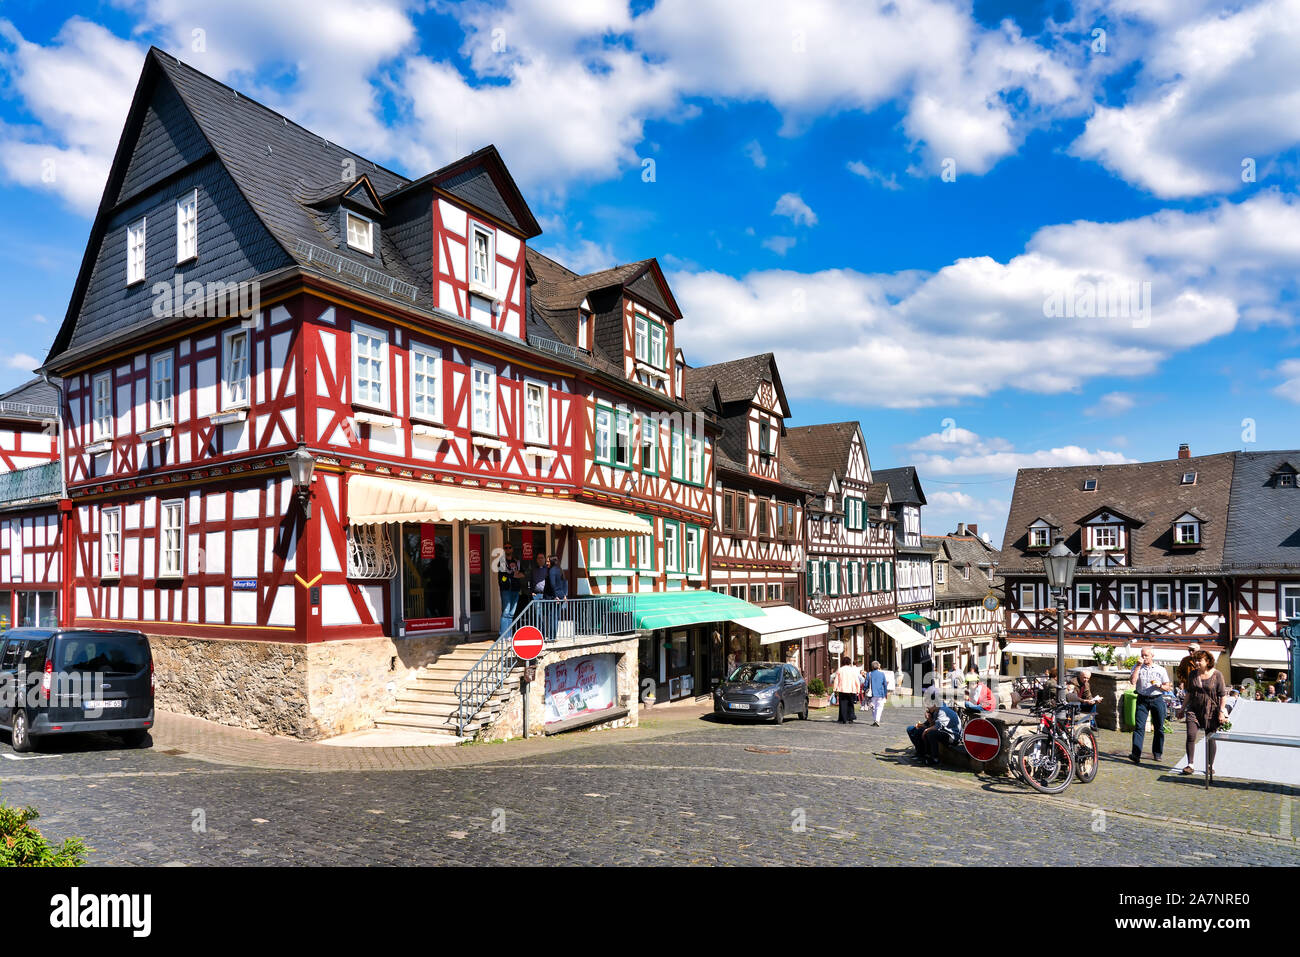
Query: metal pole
(1060, 646)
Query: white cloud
(978, 325)
(858, 168)
(78, 90)
(584, 256)
(1289, 369)
(779, 244)
(23, 361)
(754, 150)
(1112, 403)
(1214, 87)
(793, 206)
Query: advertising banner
(579, 686)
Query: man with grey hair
(1150, 681)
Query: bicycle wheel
(1013, 754)
(1086, 756)
(1046, 764)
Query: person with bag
(1206, 690)
(558, 584)
(848, 683)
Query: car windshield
(103, 654)
(757, 674)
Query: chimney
(974, 530)
(961, 528)
(1184, 452)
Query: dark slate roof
(1263, 520)
(904, 486)
(37, 393)
(965, 551)
(738, 379)
(482, 180)
(820, 451)
(1151, 492)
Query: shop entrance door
(476, 563)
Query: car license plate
(102, 705)
(737, 706)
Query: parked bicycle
(1063, 748)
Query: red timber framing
(1260, 605)
(498, 305)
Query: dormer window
(584, 330)
(1105, 537)
(1189, 478)
(1187, 533)
(1285, 480)
(135, 253)
(1038, 537)
(1090, 485)
(764, 438)
(361, 234)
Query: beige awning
(783, 623)
(376, 500)
(904, 635)
(1260, 653)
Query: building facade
(968, 600)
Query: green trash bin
(1128, 710)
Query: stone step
(418, 695)
(405, 724)
(443, 709)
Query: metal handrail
(589, 616)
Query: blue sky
(894, 199)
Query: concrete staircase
(427, 702)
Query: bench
(1242, 737)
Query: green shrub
(817, 687)
(22, 845)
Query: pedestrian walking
(1206, 690)
(877, 692)
(558, 584)
(848, 682)
(1150, 681)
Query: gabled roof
(738, 379)
(1195, 513)
(971, 552)
(34, 399)
(482, 180)
(561, 289)
(1144, 492)
(1263, 527)
(904, 485)
(1048, 519)
(1121, 511)
(821, 452)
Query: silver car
(762, 690)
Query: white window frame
(367, 247)
(136, 251)
(1180, 539)
(1032, 591)
(658, 346)
(110, 542)
(187, 227)
(626, 448)
(1080, 590)
(162, 411)
(597, 556)
(486, 422)
(1130, 597)
(1035, 534)
(489, 280)
(939, 573)
(645, 551)
(672, 552)
(1105, 537)
(1288, 595)
(692, 539)
(363, 335)
(1197, 589)
(1158, 589)
(618, 553)
(584, 327)
(536, 432)
(605, 431)
(171, 518)
(695, 461)
(102, 405)
(426, 364)
(235, 393)
(642, 344)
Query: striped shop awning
(673, 609)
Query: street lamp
(1060, 563)
(1290, 632)
(301, 465)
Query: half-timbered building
(758, 537)
(913, 558)
(255, 299)
(967, 602)
(1261, 557)
(850, 548)
(1150, 540)
(31, 544)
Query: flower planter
(822, 702)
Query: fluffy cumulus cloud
(792, 206)
(1216, 88)
(1083, 300)
(1289, 388)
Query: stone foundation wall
(509, 721)
(303, 691)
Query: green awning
(929, 624)
(670, 609)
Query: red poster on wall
(428, 541)
(476, 554)
(528, 546)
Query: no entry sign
(528, 643)
(982, 740)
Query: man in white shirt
(1150, 681)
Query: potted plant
(817, 695)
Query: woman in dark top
(1205, 693)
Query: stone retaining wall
(302, 691)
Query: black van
(66, 681)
